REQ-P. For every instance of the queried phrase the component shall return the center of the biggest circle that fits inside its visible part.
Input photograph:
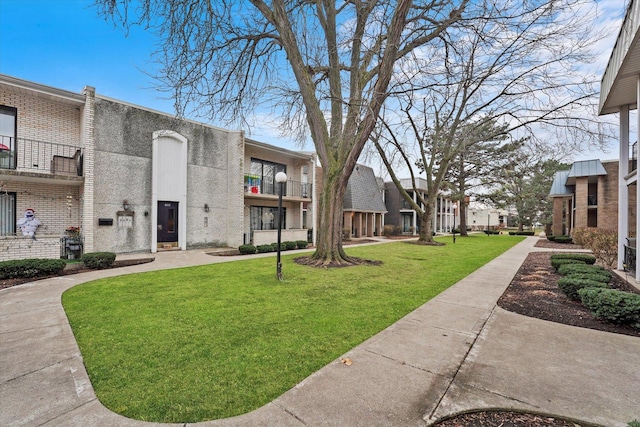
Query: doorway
(167, 225)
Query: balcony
(633, 164)
(28, 157)
(592, 200)
(255, 186)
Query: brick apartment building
(129, 179)
(586, 196)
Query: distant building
(363, 204)
(585, 196)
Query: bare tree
(516, 64)
(324, 65)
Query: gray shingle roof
(363, 192)
(586, 168)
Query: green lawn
(201, 343)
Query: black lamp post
(454, 222)
(488, 219)
(281, 178)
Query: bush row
(33, 267)
(560, 239)
(612, 305)
(586, 258)
(590, 284)
(522, 233)
(284, 246)
(38, 267)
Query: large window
(266, 218)
(8, 137)
(263, 176)
(7, 214)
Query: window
(8, 137)
(266, 218)
(7, 214)
(264, 173)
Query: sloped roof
(559, 187)
(363, 192)
(585, 168)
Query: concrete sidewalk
(455, 353)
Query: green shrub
(562, 239)
(487, 232)
(571, 285)
(612, 305)
(556, 263)
(598, 277)
(33, 267)
(586, 258)
(551, 238)
(289, 246)
(247, 249)
(522, 233)
(583, 268)
(98, 260)
(264, 248)
(302, 244)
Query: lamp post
(488, 221)
(281, 178)
(454, 207)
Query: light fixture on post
(281, 178)
(206, 207)
(453, 208)
(125, 205)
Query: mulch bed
(548, 244)
(505, 419)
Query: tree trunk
(426, 223)
(463, 217)
(329, 249)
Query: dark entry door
(167, 222)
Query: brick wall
(44, 120)
(608, 197)
(56, 206)
(581, 194)
(558, 205)
(12, 248)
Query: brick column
(88, 159)
(582, 193)
(558, 205)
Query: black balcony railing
(38, 156)
(634, 157)
(267, 186)
(592, 200)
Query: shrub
(302, 244)
(583, 268)
(556, 263)
(551, 238)
(247, 249)
(562, 239)
(487, 232)
(98, 260)
(586, 258)
(612, 305)
(571, 285)
(289, 246)
(598, 277)
(522, 233)
(603, 243)
(264, 248)
(388, 230)
(33, 267)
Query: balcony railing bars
(47, 157)
(290, 188)
(592, 200)
(633, 164)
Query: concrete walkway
(456, 353)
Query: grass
(209, 342)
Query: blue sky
(64, 44)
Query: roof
(562, 180)
(618, 86)
(363, 192)
(587, 168)
(559, 187)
